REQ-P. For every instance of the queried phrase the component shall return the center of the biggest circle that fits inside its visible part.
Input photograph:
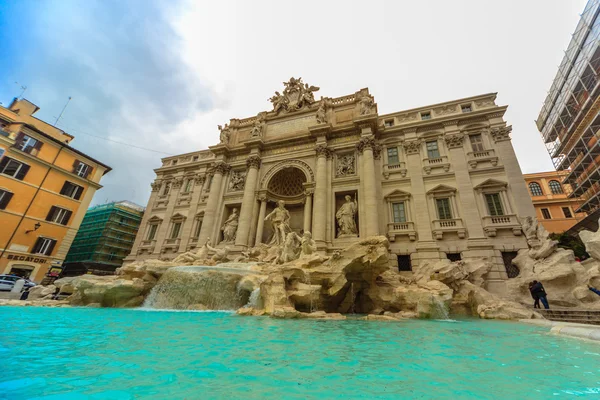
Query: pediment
(491, 183)
(441, 189)
(155, 219)
(178, 216)
(397, 193)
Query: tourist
(538, 290)
(594, 290)
(536, 299)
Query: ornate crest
(296, 95)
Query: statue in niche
(346, 165)
(237, 180)
(225, 133)
(322, 113)
(259, 126)
(279, 218)
(230, 226)
(366, 105)
(346, 217)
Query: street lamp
(35, 227)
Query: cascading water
(255, 300)
(440, 310)
(195, 287)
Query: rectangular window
(454, 257)
(388, 122)
(5, 197)
(27, 144)
(195, 158)
(404, 263)
(393, 155)
(188, 185)
(565, 210)
(466, 108)
(425, 116)
(152, 232)
(399, 212)
(43, 246)
(198, 228)
(476, 142)
(443, 208)
(432, 149)
(14, 168)
(167, 188)
(58, 215)
(71, 190)
(175, 230)
(546, 213)
(1, 152)
(81, 169)
(494, 204)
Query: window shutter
(3, 163)
(5, 200)
(22, 172)
(50, 248)
(19, 139)
(89, 170)
(51, 213)
(38, 145)
(37, 246)
(64, 188)
(76, 165)
(78, 192)
(66, 217)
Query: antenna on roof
(63, 110)
(23, 92)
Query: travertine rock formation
(592, 242)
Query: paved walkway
(581, 331)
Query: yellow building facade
(553, 206)
(46, 187)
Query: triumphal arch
(440, 181)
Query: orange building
(553, 208)
(46, 187)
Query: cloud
(122, 64)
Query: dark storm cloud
(120, 61)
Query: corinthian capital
(323, 150)
(501, 133)
(221, 168)
(253, 162)
(367, 143)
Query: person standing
(536, 299)
(538, 290)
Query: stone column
(506, 154)
(261, 218)
(469, 209)
(253, 164)
(212, 203)
(307, 210)
(421, 219)
(186, 231)
(320, 206)
(366, 146)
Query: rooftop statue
(259, 126)
(296, 95)
(225, 134)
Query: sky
(152, 78)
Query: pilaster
(253, 164)
(209, 222)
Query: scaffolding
(569, 121)
(105, 237)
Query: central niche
(288, 182)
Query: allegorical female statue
(279, 218)
(346, 218)
(230, 226)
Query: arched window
(535, 189)
(555, 187)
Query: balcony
(148, 244)
(492, 223)
(398, 168)
(476, 157)
(441, 226)
(401, 229)
(432, 163)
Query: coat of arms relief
(296, 95)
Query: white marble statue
(259, 127)
(321, 113)
(201, 255)
(346, 217)
(366, 105)
(225, 133)
(279, 218)
(230, 226)
(308, 246)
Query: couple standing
(539, 294)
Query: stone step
(590, 317)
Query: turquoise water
(79, 353)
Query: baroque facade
(440, 181)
